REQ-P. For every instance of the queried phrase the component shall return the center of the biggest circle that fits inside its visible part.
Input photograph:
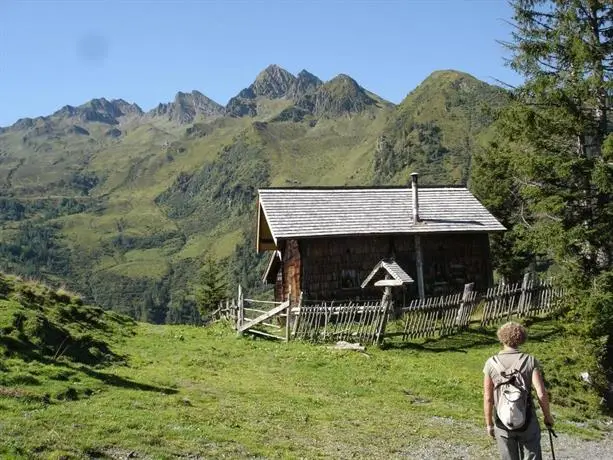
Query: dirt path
(566, 447)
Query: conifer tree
(212, 287)
(552, 157)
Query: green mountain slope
(436, 128)
(121, 205)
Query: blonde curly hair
(512, 334)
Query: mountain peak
(99, 110)
(449, 74)
(453, 84)
(186, 107)
(341, 95)
(305, 83)
(272, 82)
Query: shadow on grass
(539, 330)
(117, 381)
(84, 350)
(26, 352)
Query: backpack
(511, 394)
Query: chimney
(415, 197)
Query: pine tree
(554, 153)
(212, 287)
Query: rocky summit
(186, 107)
(305, 84)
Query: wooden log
(263, 301)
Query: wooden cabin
(326, 240)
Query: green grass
(171, 391)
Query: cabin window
(349, 279)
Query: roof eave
(411, 232)
(262, 218)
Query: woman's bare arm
(488, 403)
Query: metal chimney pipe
(415, 190)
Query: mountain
(98, 110)
(273, 82)
(340, 96)
(186, 107)
(436, 128)
(121, 206)
(303, 85)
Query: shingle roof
(392, 268)
(310, 212)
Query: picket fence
(373, 321)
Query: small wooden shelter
(325, 240)
(393, 275)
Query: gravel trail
(566, 447)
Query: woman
(523, 443)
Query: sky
(59, 52)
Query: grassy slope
(168, 391)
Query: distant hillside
(121, 205)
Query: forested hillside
(123, 205)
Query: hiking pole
(551, 432)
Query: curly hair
(512, 334)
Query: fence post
(386, 302)
(288, 322)
(459, 321)
(241, 312)
(524, 304)
(297, 318)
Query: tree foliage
(549, 172)
(212, 286)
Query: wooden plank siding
(332, 268)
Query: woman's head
(512, 334)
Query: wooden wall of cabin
(291, 276)
(452, 260)
(334, 268)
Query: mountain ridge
(303, 83)
(272, 82)
(121, 205)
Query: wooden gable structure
(327, 239)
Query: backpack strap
(498, 365)
(519, 362)
(504, 372)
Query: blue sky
(54, 53)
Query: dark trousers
(520, 445)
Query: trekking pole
(551, 432)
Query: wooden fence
(357, 321)
(443, 315)
(529, 298)
(373, 320)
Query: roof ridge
(365, 187)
